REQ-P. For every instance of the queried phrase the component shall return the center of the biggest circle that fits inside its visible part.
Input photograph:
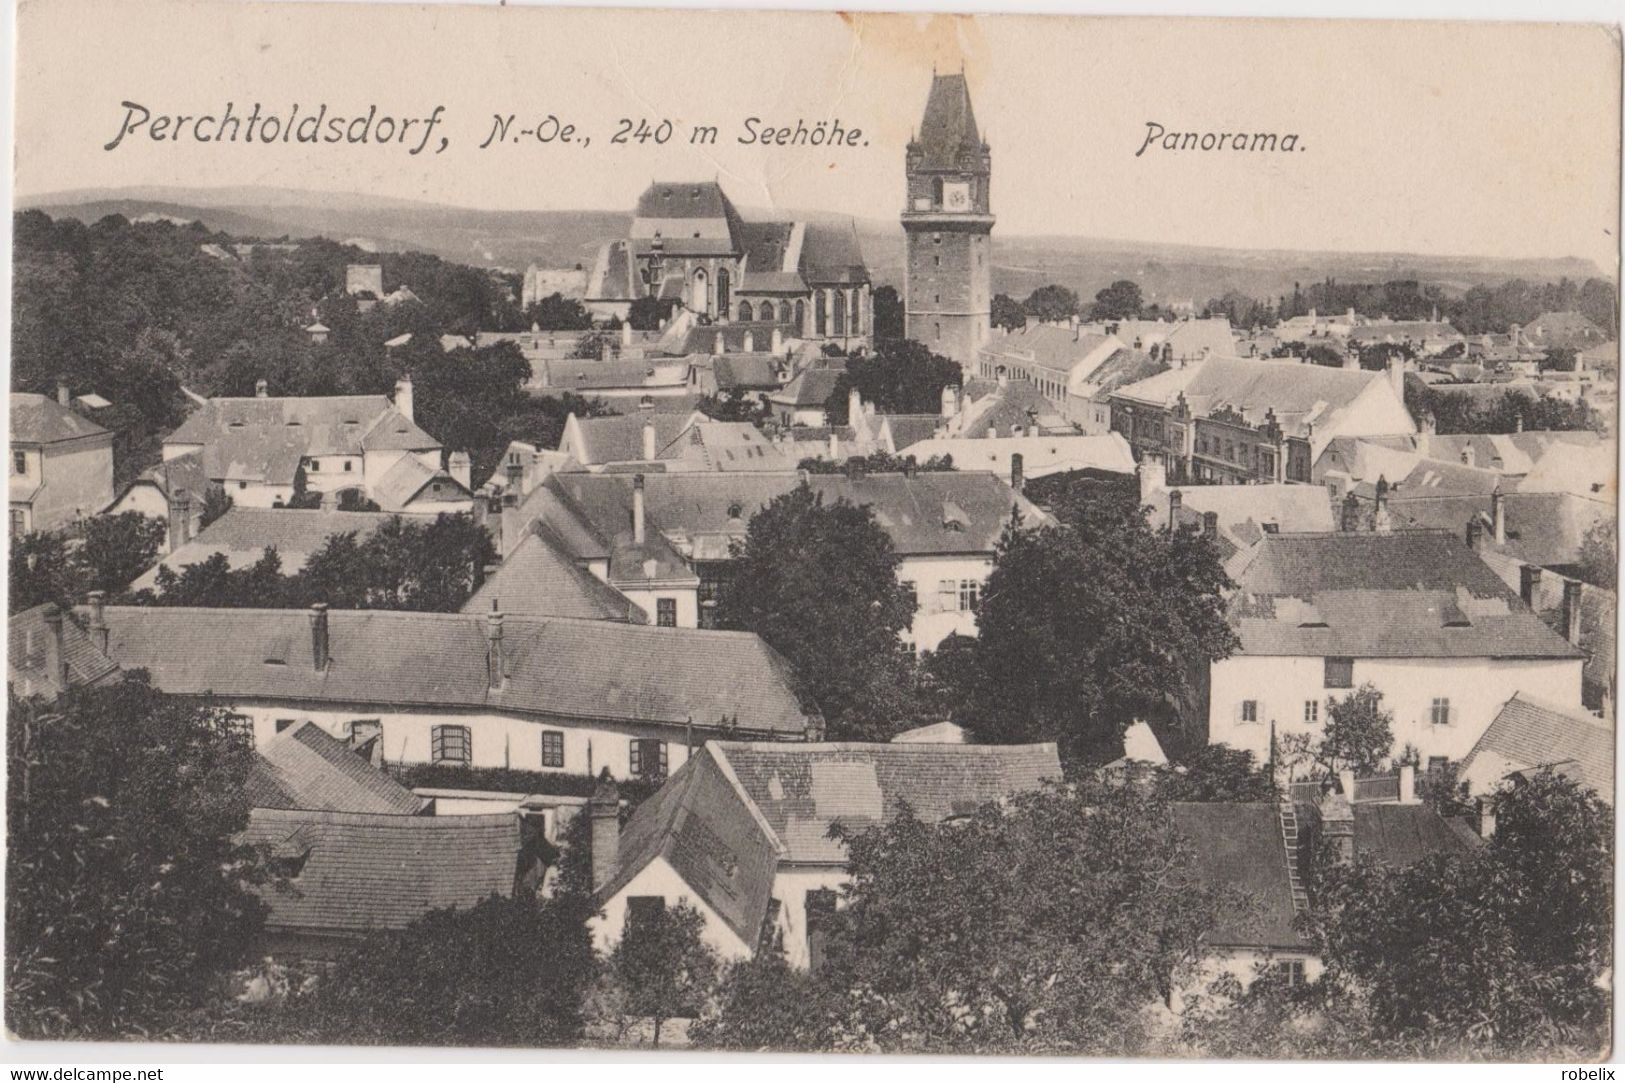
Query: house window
(242, 485)
(1290, 971)
(947, 595)
(363, 730)
(644, 908)
(911, 590)
(1249, 710)
(970, 595)
(285, 723)
(1311, 711)
(1440, 712)
(19, 462)
(648, 758)
(1339, 673)
(552, 748)
(1438, 764)
(315, 466)
(19, 522)
(450, 744)
(240, 725)
(347, 465)
(666, 612)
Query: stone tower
(948, 223)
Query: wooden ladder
(1289, 839)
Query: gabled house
(305, 767)
(1234, 516)
(741, 833)
(262, 449)
(592, 443)
(548, 694)
(172, 491)
(49, 651)
(1528, 735)
(1415, 613)
(61, 463)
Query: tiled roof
(949, 122)
(1298, 393)
(1416, 594)
(684, 199)
(1564, 327)
(929, 513)
(410, 476)
(832, 255)
(1541, 528)
(766, 245)
(243, 534)
(752, 372)
(1122, 368)
(593, 520)
(360, 872)
(1244, 510)
(1240, 845)
(40, 419)
(181, 472)
(801, 790)
(702, 825)
(305, 768)
(265, 438)
(1041, 455)
(1058, 350)
(619, 438)
(575, 374)
(28, 669)
(1530, 733)
(1397, 835)
(1017, 403)
(1189, 338)
(539, 578)
(725, 445)
(589, 670)
(909, 429)
(810, 388)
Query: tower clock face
(956, 196)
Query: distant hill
(514, 239)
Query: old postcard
(812, 532)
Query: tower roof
(949, 122)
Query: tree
(1087, 625)
(900, 377)
(1046, 925)
(1358, 736)
(1559, 359)
(734, 405)
(116, 548)
(662, 966)
(1215, 773)
(40, 571)
(1007, 312)
(506, 971)
(556, 312)
(216, 502)
(889, 319)
(1517, 968)
(1326, 356)
(127, 897)
(1051, 304)
(819, 583)
(765, 1004)
(648, 313)
(878, 462)
(1119, 301)
(1599, 562)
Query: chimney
(1498, 514)
(1396, 375)
(749, 344)
(854, 407)
(1407, 784)
(1475, 534)
(1210, 525)
(1176, 501)
(1337, 821)
(1351, 513)
(1571, 610)
(648, 440)
(261, 389)
(64, 397)
(496, 664)
(180, 519)
(950, 402)
(318, 636)
(1517, 422)
(992, 433)
(604, 807)
(1469, 457)
(1430, 423)
(637, 508)
(461, 468)
(1017, 465)
(98, 619)
(604, 350)
(56, 652)
(516, 478)
(626, 334)
(1529, 584)
(1380, 520)
(403, 396)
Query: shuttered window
(451, 744)
(552, 748)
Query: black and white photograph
(685, 534)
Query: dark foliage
(900, 377)
(888, 314)
(879, 462)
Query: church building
(689, 245)
(948, 224)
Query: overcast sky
(1439, 138)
